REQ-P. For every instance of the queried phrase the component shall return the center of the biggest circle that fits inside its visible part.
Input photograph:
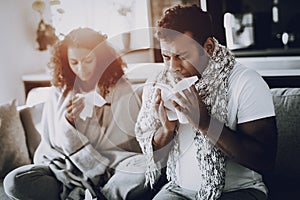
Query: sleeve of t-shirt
(255, 99)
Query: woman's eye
(73, 62)
(88, 60)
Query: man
(230, 137)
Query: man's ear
(209, 46)
(189, 34)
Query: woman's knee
(28, 181)
(13, 181)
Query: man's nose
(175, 64)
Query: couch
(19, 137)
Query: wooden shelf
(31, 81)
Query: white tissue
(91, 99)
(168, 95)
(185, 83)
(88, 195)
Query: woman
(87, 128)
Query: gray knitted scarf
(212, 88)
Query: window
(112, 17)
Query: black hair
(185, 19)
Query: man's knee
(127, 186)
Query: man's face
(184, 56)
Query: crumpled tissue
(91, 99)
(168, 95)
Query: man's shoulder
(242, 70)
(241, 74)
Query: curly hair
(185, 19)
(109, 72)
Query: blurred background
(263, 34)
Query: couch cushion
(287, 109)
(13, 151)
(31, 119)
(31, 116)
(284, 181)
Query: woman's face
(82, 62)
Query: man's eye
(181, 57)
(166, 57)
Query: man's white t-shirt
(249, 99)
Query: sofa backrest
(287, 108)
(284, 181)
(31, 117)
(31, 120)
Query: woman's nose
(80, 67)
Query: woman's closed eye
(73, 62)
(89, 60)
(86, 60)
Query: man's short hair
(185, 18)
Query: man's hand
(74, 108)
(165, 134)
(253, 144)
(191, 106)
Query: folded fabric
(91, 99)
(168, 96)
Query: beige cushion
(31, 119)
(13, 151)
(31, 116)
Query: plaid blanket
(84, 157)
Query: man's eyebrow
(182, 53)
(166, 52)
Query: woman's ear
(209, 46)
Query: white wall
(18, 48)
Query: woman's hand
(191, 106)
(166, 133)
(74, 108)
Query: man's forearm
(240, 147)
(161, 138)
